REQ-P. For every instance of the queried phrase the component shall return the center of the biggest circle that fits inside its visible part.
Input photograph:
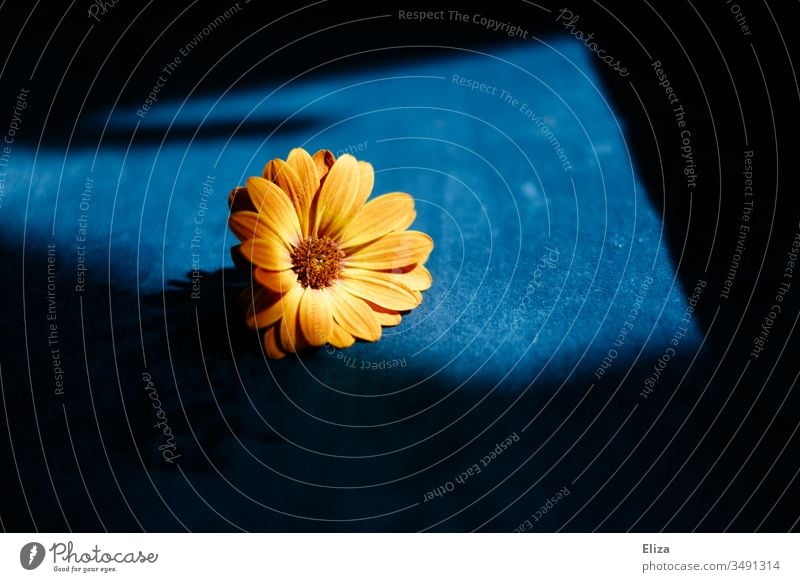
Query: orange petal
(418, 278)
(324, 160)
(261, 310)
(255, 299)
(271, 346)
(340, 338)
(395, 250)
(353, 314)
(306, 169)
(316, 319)
(383, 311)
(382, 289)
(277, 210)
(277, 281)
(386, 317)
(287, 179)
(267, 252)
(291, 338)
(335, 204)
(267, 307)
(247, 225)
(378, 217)
(366, 179)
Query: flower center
(317, 262)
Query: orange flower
(328, 266)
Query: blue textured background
(320, 442)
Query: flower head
(327, 266)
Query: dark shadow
(244, 437)
(708, 80)
(153, 38)
(147, 135)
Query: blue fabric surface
(540, 258)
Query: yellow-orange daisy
(328, 267)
